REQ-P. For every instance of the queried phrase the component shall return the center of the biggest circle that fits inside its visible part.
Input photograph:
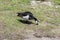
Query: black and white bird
(27, 16)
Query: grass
(57, 1)
(46, 15)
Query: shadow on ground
(25, 22)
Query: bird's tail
(36, 21)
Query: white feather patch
(26, 17)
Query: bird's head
(19, 14)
